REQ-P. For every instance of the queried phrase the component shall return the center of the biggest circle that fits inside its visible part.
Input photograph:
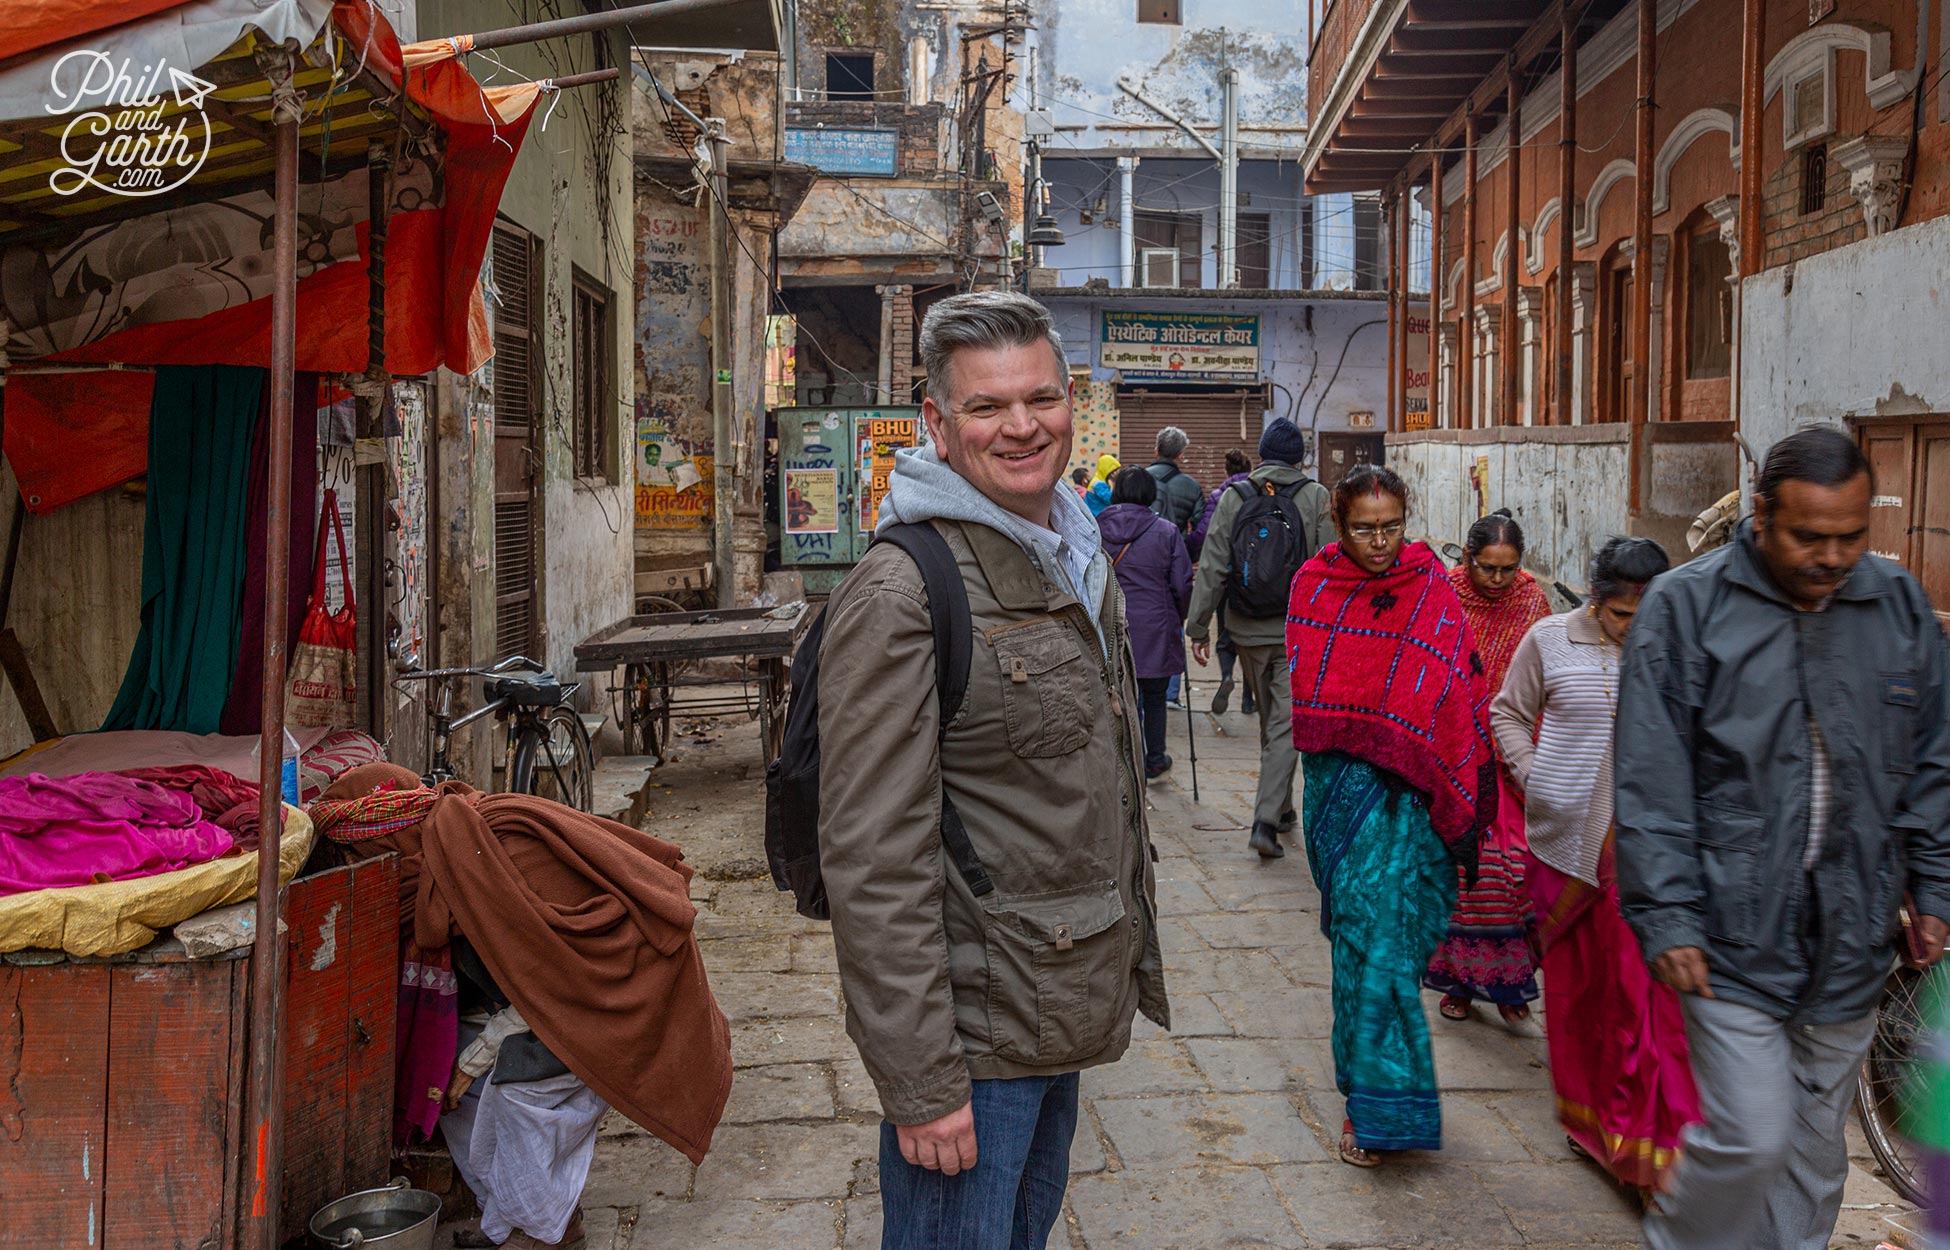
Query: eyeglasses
(1369, 533)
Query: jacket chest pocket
(1058, 968)
(1046, 688)
(1729, 851)
(1899, 699)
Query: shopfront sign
(1181, 347)
(873, 153)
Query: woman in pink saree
(1617, 1039)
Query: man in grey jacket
(1260, 641)
(1180, 498)
(974, 1011)
(1783, 773)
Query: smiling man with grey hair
(976, 995)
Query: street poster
(1418, 373)
(1181, 347)
(673, 486)
(812, 501)
(879, 439)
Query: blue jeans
(1012, 1197)
(1176, 682)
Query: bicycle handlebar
(500, 669)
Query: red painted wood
(53, 1104)
(372, 1015)
(168, 1067)
(318, 912)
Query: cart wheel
(772, 709)
(641, 726)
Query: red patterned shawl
(1384, 669)
(1498, 625)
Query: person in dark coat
(1155, 573)
(1783, 779)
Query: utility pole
(1229, 179)
(724, 454)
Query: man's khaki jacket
(1043, 762)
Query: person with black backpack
(1262, 531)
(968, 802)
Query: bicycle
(548, 753)
(1884, 1082)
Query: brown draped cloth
(586, 925)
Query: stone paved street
(1218, 1135)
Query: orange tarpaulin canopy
(35, 24)
(190, 284)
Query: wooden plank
(371, 1014)
(318, 910)
(235, 1097)
(683, 635)
(53, 1103)
(168, 1072)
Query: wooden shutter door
(517, 352)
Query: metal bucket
(397, 1217)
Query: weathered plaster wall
(571, 186)
(1082, 47)
(1338, 367)
(1567, 486)
(874, 217)
(1857, 332)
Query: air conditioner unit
(1158, 267)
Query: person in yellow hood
(1098, 496)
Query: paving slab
(787, 1091)
(785, 1162)
(1187, 1208)
(1151, 1135)
(1407, 1202)
(738, 1224)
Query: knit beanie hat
(1283, 442)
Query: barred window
(595, 383)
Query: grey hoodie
(924, 487)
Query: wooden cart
(653, 651)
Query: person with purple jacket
(1155, 573)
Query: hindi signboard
(1181, 347)
(868, 152)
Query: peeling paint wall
(1856, 332)
(571, 187)
(1082, 47)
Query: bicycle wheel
(1886, 1075)
(551, 758)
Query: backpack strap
(954, 650)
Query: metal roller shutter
(1216, 422)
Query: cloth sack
(323, 672)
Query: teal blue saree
(1387, 886)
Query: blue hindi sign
(868, 152)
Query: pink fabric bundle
(89, 827)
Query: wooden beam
(1567, 191)
(1642, 379)
(1435, 288)
(1512, 249)
(1390, 212)
(1465, 364)
(1384, 106)
(1518, 13)
(1413, 40)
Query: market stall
(278, 199)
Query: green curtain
(200, 425)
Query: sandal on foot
(1352, 1154)
(1577, 1148)
(1454, 1008)
(1518, 1014)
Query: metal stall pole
(266, 1116)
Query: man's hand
(1934, 930)
(1684, 969)
(946, 1145)
(1202, 653)
(457, 1089)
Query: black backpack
(1269, 544)
(792, 780)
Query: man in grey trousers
(1260, 640)
(1783, 772)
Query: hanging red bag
(324, 663)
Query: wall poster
(812, 501)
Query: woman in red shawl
(1391, 720)
(1487, 953)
